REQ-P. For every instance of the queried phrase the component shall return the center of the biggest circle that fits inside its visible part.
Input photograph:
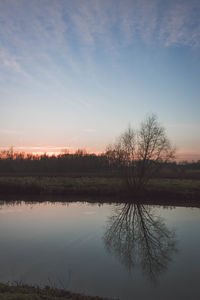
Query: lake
(119, 251)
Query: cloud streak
(66, 36)
(61, 25)
(10, 131)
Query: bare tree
(139, 238)
(139, 153)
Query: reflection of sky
(64, 243)
(75, 73)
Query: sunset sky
(75, 73)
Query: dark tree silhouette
(139, 153)
(78, 162)
(137, 237)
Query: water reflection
(137, 237)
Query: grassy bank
(97, 186)
(61, 185)
(25, 292)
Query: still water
(114, 250)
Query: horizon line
(180, 156)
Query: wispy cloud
(10, 131)
(169, 23)
(180, 24)
(54, 32)
(11, 62)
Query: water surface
(118, 251)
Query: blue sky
(74, 74)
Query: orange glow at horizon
(180, 155)
(38, 153)
(187, 155)
(56, 153)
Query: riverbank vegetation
(98, 186)
(173, 180)
(26, 292)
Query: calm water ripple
(124, 251)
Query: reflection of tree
(136, 236)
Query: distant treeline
(82, 162)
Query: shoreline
(28, 292)
(100, 200)
(107, 190)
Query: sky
(75, 73)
